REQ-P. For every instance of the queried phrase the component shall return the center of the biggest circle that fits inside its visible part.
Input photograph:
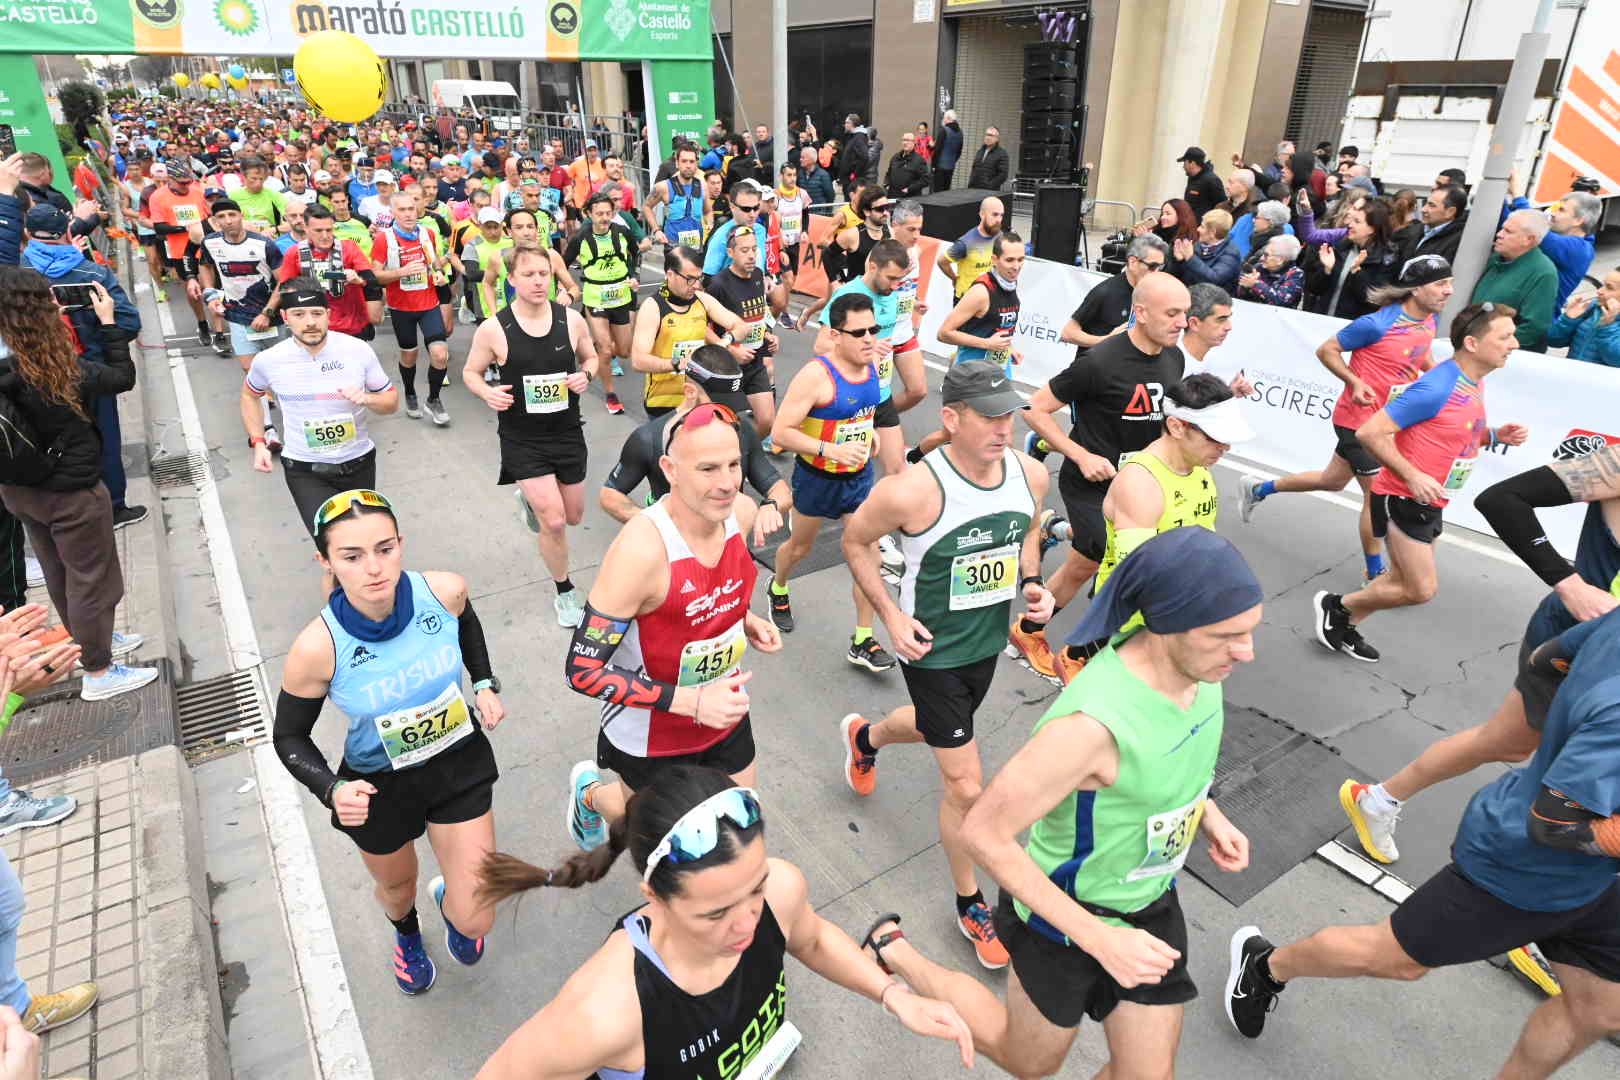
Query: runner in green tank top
(1114, 787)
(965, 522)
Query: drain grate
(213, 709)
(176, 470)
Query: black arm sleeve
(631, 470)
(295, 719)
(761, 473)
(590, 670)
(474, 649)
(1510, 507)
(369, 278)
(1557, 821)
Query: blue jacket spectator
(819, 183)
(1593, 333)
(948, 144)
(1571, 243)
(1212, 259)
(1268, 219)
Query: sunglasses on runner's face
(697, 833)
(699, 417)
(344, 501)
(741, 209)
(859, 331)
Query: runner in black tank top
(536, 399)
(855, 264)
(692, 986)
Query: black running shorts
(454, 786)
(886, 415)
(947, 698)
(312, 483)
(731, 755)
(756, 378)
(1082, 503)
(1417, 521)
(1450, 920)
(1066, 984)
(559, 454)
(1361, 461)
(615, 316)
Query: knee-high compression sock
(436, 377)
(407, 378)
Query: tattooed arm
(1592, 478)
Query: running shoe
(615, 407)
(221, 343)
(413, 408)
(1053, 530)
(1332, 620)
(978, 927)
(584, 824)
(870, 655)
(492, 376)
(437, 412)
(1528, 961)
(570, 607)
(860, 770)
(414, 972)
(50, 1011)
(20, 810)
(781, 610)
(467, 950)
(465, 317)
(1250, 994)
(526, 512)
(1034, 649)
(1374, 825)
(162, 295)
(1356, 647)
(125, 644)
(1247, 498)
(128, 514)
(787, 322)
(204, 337)
(894, 563)
(272, 439)
(1036, 447)
(617, 368)
(117, 679)
(1068, 666)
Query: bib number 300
(984, 578)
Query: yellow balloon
(341, 76)
(237, 84)
(210, 80)
(182, 80)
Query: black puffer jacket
(77, 441)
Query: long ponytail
(501, 876)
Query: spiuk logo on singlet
(1146, 403)
(701, 607)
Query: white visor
(1224, 421)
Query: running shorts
(447, 789)
(1362, 463)
(756, 378)
(243, 345)
(826, 495)
(886, 415)
(406, 324)
(914, 345)
(1450, 920)
(1067, 985)
(945, 699)
(616, 316)
(790, 257)
(446, 295)
(1417, 521)
(312, 483)
(1083, 504)
(731, 755)
(559, 454)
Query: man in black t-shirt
(1116, 391)
(712, 374)
(740, 288)
(1107, 306)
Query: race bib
(186, 214)
(685, 349)
(615, 295)
(1169, 838)
(702, 662)
(885, 368)
(790, 226)
(999, 356)
(984, 578)
(774, 1054)
(329, 433)
(854, 431)
(411, 736)
(755, 336)
(689, 237)
(1461, 470)
(545, 393)
(416, 280)
(905, 301)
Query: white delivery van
(495, 104)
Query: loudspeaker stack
(1049, 144)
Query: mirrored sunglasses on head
(697, 833)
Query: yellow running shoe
(1528, 961)
(1375, 827)
(1034, 649)
(63, 1007)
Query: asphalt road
(1445, 667)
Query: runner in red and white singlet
(667, 629)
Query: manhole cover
(56, 732)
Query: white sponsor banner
(1560, 400)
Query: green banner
(642, 29)
(74, 26)
(681, 100)
(22, 105)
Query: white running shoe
(36, 572)
(570, 607)
(1246, 500)
(116, 680)
(894, 563)
(1373, 822)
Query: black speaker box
(1047, 127)
(947, 215)
(1057, 223)
(1049, 96)
(1046, 159)
(1051, 60)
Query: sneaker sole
(1526, 965)
(849, 751)
(66, 1020)
(127, 651)
(436, 890)
(8, 829)
(1358, 821)
(86, 695)
(975, 941)
(1234, 954)
(1246, 500)
(568, 812)
(1023, 654)
(1321, 621)
(137, 521)
(863, 662)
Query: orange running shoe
(978, 928)
(1033, 648)
(860, 770)
(1068, 666)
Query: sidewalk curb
(183, 1031)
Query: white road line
(334, 1028)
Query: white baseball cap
(321, 174)
(382, 176)
(488, 214)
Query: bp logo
(238, 17)
(620, 19)
(161, 14)
(565, 18)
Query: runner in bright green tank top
(965, 522)
(1114, 787)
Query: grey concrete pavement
(1446, 666)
